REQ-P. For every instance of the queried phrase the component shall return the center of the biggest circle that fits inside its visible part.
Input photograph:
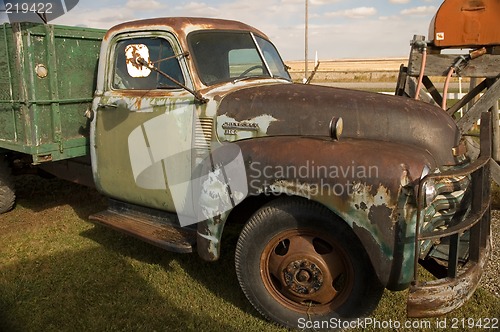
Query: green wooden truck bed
(47, 80)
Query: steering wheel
(251, 69)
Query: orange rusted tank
(466, 23)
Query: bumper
(438, 297)
(435, 298)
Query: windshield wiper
(195, 93)
(282, 78)
(239, 79)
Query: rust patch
(327, 171)
(307, 110)
(380, 214)
(133, 52)
(181, 25)
(138, 103)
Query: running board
(158, 228)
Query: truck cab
(192, 67)
(196, 123)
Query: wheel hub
(303, 277)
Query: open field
(353, 65)
(375, 71)
(58, 272)
(356, 70)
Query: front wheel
(297, 262)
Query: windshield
(222, 56)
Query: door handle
(120, 103)
(112, 105)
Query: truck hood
(306, 110)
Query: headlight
(429, 187)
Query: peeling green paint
(41, 112)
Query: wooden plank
(488, 100)
(487, 65)
(468, 97)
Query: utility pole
(306, 55)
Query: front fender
(367, 183)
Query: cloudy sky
(337, 28)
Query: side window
(161, 55)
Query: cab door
(143, 125)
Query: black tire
(297, 262)
(7, 193)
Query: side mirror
(135, 55)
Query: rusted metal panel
(158, 228)
(466, 23)
(278, 117)
(182, 26)
(365, 192)
(293, 109)
(436, 298)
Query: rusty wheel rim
(306, 271)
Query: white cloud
(323, 2)
(144, 5)
(399, 2)
(103, 18)
(421, 10)
(315, 2)
(311, 2)
(357, 13)
(198, 8)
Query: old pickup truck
(188, 124)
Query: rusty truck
(189, 124)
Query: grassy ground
(58, 272)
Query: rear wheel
(297, 262)
(7, 194)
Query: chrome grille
(449, 207)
